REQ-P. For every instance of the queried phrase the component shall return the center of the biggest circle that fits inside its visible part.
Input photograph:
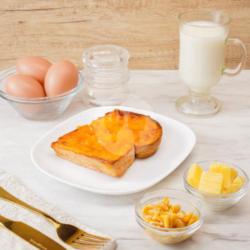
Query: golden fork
(69, 234)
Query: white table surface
(225, 136)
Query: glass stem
(198, 97)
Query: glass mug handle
(243, 57)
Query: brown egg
(23, 86)
(61, 77)
(34, 66)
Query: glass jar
(106, 74)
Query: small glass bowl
(222, 201)
(170, 235)
(42, 108)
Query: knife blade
(30, 234)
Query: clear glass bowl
(42, 108)
(170, 235)
(222, 201)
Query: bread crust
(146, 151)
(146, 144)
(113, 168)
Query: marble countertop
(225, 136)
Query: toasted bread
(110, 143)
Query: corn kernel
(175, 208)
(165, 207)
(193, 219)
(147, 208)
(165, 200)
(172, 218)
(179, 223)
(166, 221)
(187, 217)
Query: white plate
(177, 142)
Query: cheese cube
(226, 171)
(234, 173)
(237, 184)
(227, 179)
(215, 167)
(211, 183)
(194, 175)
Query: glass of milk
(203, 40)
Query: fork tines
(87, 241)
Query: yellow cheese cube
(228, 173)
(211, 183)
(237, 184)
(227, 179)
(234, 173)
(215, 167)
(194, 175)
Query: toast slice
(110, 143)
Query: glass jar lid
(106, 57)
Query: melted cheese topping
(112, 136)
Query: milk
(202, 53)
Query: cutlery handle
(11, 198)
(3, 220)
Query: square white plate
(177, 143)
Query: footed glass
(203, 41)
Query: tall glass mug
(203, 40)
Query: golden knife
(30, 234)
(69, 234)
